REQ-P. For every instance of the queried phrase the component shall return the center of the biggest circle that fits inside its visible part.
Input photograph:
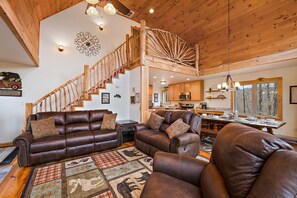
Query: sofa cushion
(77, 117)
(79, 138)
(145, 135)
(185, 115)
(104, 135)
(162, 186)
(97, 115)
(71, 128)
(109, 121)
(160, 141)
(165, 114)
(48, 144)
(43, 128)
(155, 121)
(60, 120)
(177, 128)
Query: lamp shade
(109, 9)
(92, 1)
(92, 11)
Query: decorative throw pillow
(43, 128)
(176, 128)
(109, 121)
(155, 121)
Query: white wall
(117, 105)
(56, 68)
(135, 84)
(289, 110)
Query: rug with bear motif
(117, 173)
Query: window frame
(278, 80)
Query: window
(261, 97)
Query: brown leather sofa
(79, 133)
(150, 141)
(245, 162)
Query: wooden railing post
(197, 59)
(28, 111)
(144, 75)
(128, 50)
(86, 82)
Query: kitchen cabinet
(197, 90)
(195, 87)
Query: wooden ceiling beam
(19, 16)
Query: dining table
(261, 124)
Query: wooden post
(128, 50)
(197, 59)
(144, 75)
(86, 81)
(28, 111)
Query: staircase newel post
(28, 112)
(86, 81)
(144, 75)
(128, 50)
(197, 59)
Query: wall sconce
(61, 48)
(100, 27)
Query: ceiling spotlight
(92, 11)
(92, 1)
(155, 77)
(188, 79)
(100, 27)
(171, 76)
(163, 82)
(61, 48)
(109, 8)
(151, 10)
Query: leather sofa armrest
(140, 127)
(185, 138)
(119, 129)
(23, 142)
(181, 167)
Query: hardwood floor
(13, 184)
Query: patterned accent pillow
(109, 121)
(176, 128)
(43, 128)
(155, 121)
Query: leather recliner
(245, 162)
(150, 141)
(79, 133)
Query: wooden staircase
(74, 92)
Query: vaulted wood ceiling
(259, 27)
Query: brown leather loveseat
(150, 141)
(79, 133)
(245, 162)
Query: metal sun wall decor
(87, 44)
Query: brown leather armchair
(150, 141)
(245, 162)
(79, 133)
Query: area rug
(7, 154)
(3, 172)
(117, 173)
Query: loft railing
(165, 45)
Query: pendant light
(109, 8)
(92, 11)
(229, 84)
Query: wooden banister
(86, 81)
(28, 111)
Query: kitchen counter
(215, 111)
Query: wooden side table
(126, 127)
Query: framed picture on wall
(293, 94)
(105, 98)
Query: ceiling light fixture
(92, 11)
(229, 84)
(151, 11)
(109, 8)
(163, 82)
(155, 77)
(92, 1)
(188, 79)
(171, 76)
(61, 48)
(100, 27)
